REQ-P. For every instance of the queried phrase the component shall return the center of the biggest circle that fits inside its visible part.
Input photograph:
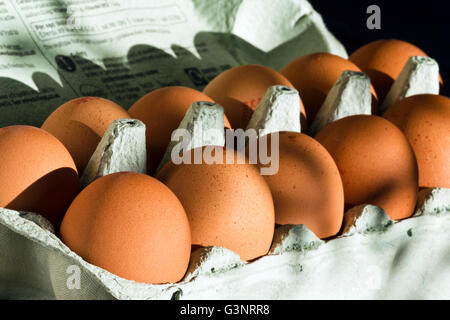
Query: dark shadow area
(425, 25)
(49, 196)
(82, 141)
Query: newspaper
(54, 51)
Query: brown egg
(162, 111)
(383, 60)
(307, 189)
(80, 124)
(425, 120)
(131, 225)
(313, 75)
(376, 163)
(228, 205)
(240, 89)
(37, 173)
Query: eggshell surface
(228, 205)
(307, 189)
(37, 173)
(240, 89)
(383, 60)
(376, 163)
(425, 120)
(131, 225)
(80, 124)
(314, 75)
(162, 111)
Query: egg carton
(373, 257)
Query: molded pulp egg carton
(373, 258)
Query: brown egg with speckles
(376, 163)
(162, 111)
(240, 89)
(425, 120)
(132, 225)
(307, 188)
(81, 123)
(314, 75)
(37, 173)
(383, 60)
(228, 205)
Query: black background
(425, 24)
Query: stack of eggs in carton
(125, 191)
